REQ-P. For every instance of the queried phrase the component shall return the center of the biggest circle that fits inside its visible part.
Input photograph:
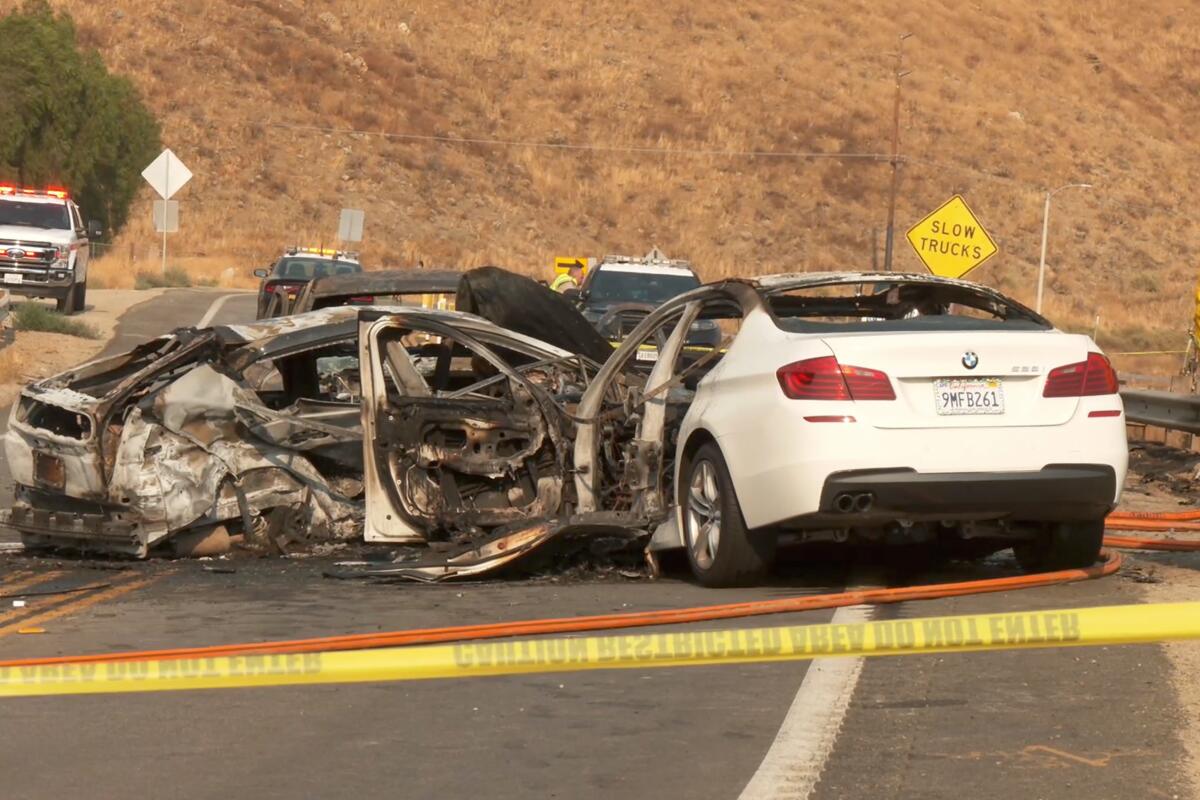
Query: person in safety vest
(569, 280)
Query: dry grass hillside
(1005, 100)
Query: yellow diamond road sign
(950, 241)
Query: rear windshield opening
(898, 305)
(56, 420)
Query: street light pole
(1045, 236)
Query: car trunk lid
(967, 379)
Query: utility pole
(891, 221)
(1041, 279)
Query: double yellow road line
(43, 609)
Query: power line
(641, 150)
(1096, 199)
(691, 151)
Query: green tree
(65, 120)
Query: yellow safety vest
(1196, 322)
(564, 282)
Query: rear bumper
(62, 520)
(1056, 493)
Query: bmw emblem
(970, 360)
(15, 253)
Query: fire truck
(44, 245)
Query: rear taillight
(1084, 379)
(868, 384)
(825, 379)
(269, 288)
(813, 379)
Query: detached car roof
(328, 290)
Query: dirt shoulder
(1163, 478)
(1178, 581)
(35, 354)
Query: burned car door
(633, 454)
(463, 429)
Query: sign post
(167, 175)
(166, 216)
(950, 241)
(350, 225)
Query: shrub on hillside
(65, 120)
(173, 278)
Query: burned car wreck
(256, 431)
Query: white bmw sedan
(878, 407)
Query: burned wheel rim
(703, 520)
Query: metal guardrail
(1180, 412)
(1149, 381)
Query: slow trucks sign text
(950, 241)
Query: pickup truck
(44, 246)
(283, 281)
(621, 290)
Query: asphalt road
(1084, 723)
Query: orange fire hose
(1138, 543)
(1179, 516)
(1154, 521)
(460, 633)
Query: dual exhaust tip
(854, 502)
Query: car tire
(66, 303)
(735, 556)
(80, 296)
(1064, 545)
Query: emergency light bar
(53, 191)
(328, 252)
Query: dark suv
(282, 283)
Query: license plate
(48, 470)
(647, 355)
(954, 396)
(10, 277)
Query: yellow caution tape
(1059, 628)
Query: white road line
(793, 764)
(215, 308)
